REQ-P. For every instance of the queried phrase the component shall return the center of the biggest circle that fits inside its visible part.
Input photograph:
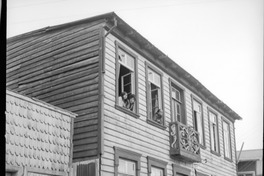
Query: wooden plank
(85, 130)
(60, 78)
(86, 123)
(59, 83)
(45, 93)
(85, 141)
(33, 48)
(75, 97)
(86, 99)
(50, 63)
(87, 50)
(81, 148)
(84, 154)
(47, 53)
(42, 74)
(85, 135)
(83, 106)
(69, 93)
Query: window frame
(148, 98)
(229, 138)
(119, 46)
(195, 99)
(180, 170)
(247, 172)
(126, 155)
(217, 129)
(156, 163)
(181, 89)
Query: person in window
(158, 115)
(132, 100)
(123, 100)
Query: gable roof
(162, 60)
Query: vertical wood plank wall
(61, 67)
(127, 132)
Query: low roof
(170, 67)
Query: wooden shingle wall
(61, 67)
(38, 135)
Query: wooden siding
(61, 67)
(38, 135)
(125, 131)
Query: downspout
(112, 28)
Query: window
(156, 167)
(154, 97)
(126, 167)
(177, 103)
(180, 171)
(227, 140)
(126, 80)
(247, 173)
(127, 163)
(213, 125)
(198, 119)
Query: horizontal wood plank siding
(61, 67)
(125, 131)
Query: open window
(126, 80)
(154, 97)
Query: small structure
(250, 163)
(38, 137)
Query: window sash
(226, 133)
(156, 101)
(155, 171)
(176, 110)
(213, 132)
(198, 120)
(130, 84)
(126, 167)
(126, 60)
(154, 78)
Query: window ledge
(228, 159)
(202, 146)
(152, 122)
(124, 110)
(215, 153)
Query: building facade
(38, 137)
(250, 163)
(139, 113)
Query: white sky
(219, 42)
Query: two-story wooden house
(139, 113)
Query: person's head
(124, 95)
(132, 98)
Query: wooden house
(38, 137)
(139, 112)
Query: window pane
(130, 62)
(156, 171)
(226, 140)
(153, 77)
(126, 167)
